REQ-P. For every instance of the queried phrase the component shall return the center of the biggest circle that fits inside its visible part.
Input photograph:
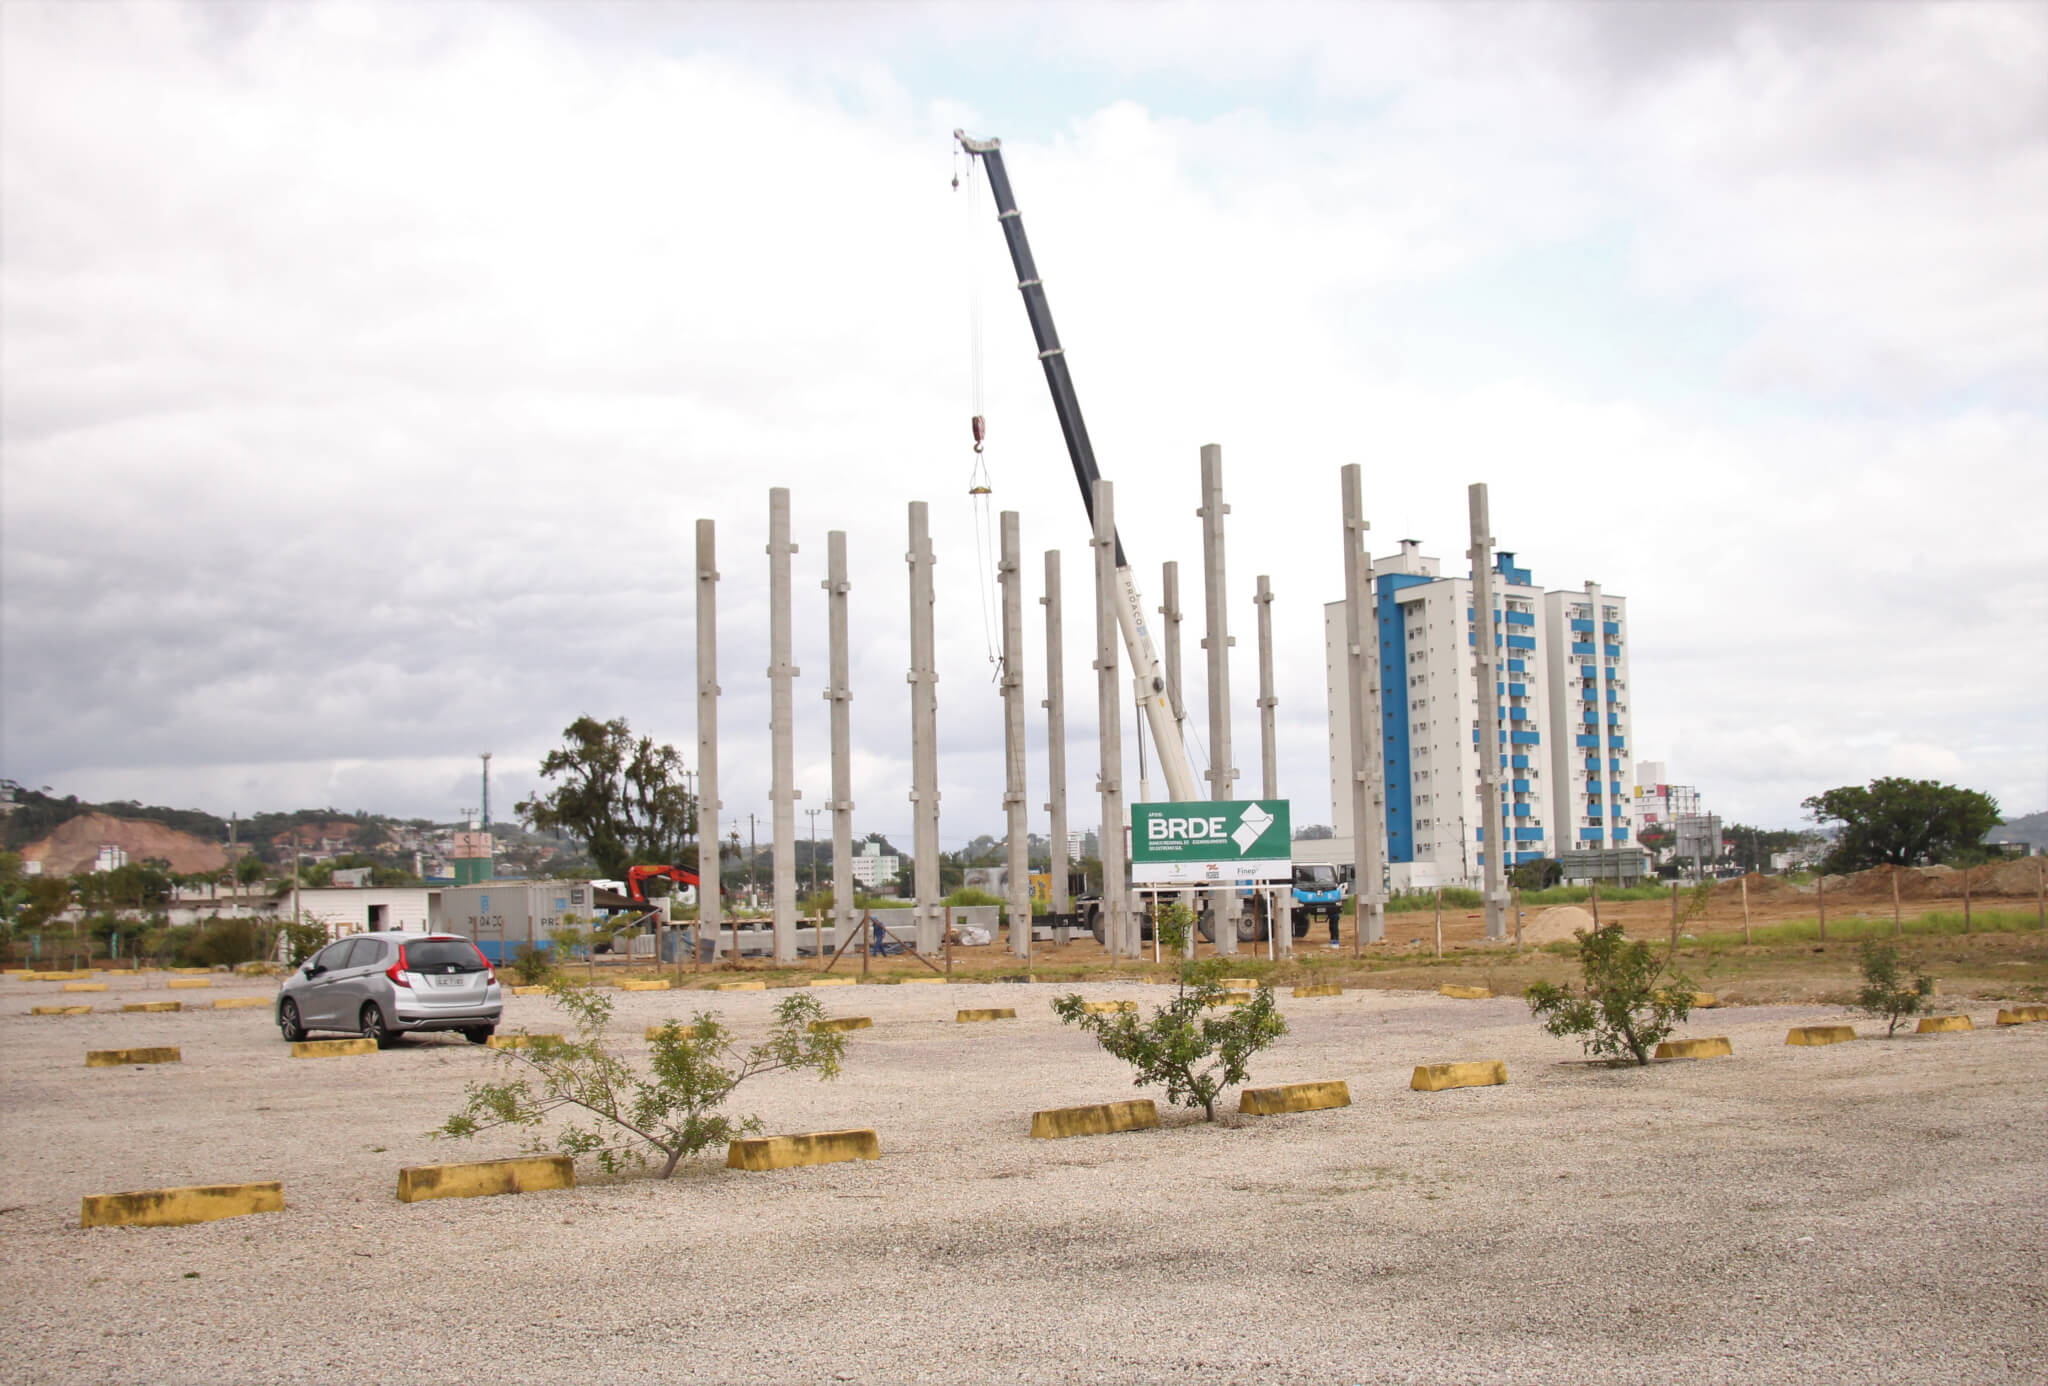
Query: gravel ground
(1868, 1211)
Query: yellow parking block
(528, 991)
(1108, 1007)
(1944, 1025)
(845, 1022)
(121, 1058)
(154, 1006)
(1439, 1077)
(1466, 993)
(1293, 1097)
(189, 983)
(1711, 1047)
(236, 1003)
(1319, 991)
(486, 1178)
(831, 981)
(629, 984)
(1820, 1034)
(1100, 1119)
(816, 1148)
(990, 1013)
(2022, 1015)
(920, 981)
(514, 1042)
(85, 986)
(330, 1049)
(180, 1206)
(739, 986)
(60, 1010)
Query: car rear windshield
(442, 955)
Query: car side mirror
(313, 969)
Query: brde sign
(1211, 842)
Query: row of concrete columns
(1122, 927)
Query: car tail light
(490, 975)
(396, 972)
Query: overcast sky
(365, 369)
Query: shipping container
(504, 916)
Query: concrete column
(1169, 610)
(1116, 930)
(924, 735)
(1368, 788)
(1486, 668)
(1269, 756)
(1009, 574)
(1222, 774)
(840, 696)
(1056, 735)
(782, 795)
(710, 913)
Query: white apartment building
(1586, 634)
(1430, 718)
(872, 867)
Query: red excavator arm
(681, 875)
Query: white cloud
(365, 368)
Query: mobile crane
(1148, 676)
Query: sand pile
(1555, 925)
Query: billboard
(1212, 842)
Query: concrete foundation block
(1438, 1077)
(1293, 1097)
(121, 1058)
(1101, 1119)
(181, 1206)
(1820, 1034)
(486, 1178)
(1712, 1047)
(332, 1049)
(817, 1148)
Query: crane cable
(979, 487)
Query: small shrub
(1886, 993)
(533, 966)
(672, 1112)
(1171, 1047)
(967, 897)
(1631, 999)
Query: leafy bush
(224, 942)
(1424, 901)
(301, 941)
(1171, 1046)
(532, 965)
(1631, 999)
(967, 897)
(672, 1112)
(1886, 993)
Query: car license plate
(446, 981)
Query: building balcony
(1582, 740)
(1581, 649)
(1527, 738)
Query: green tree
(622, 796)
(1887, 993)
(1183, 1046)
(673, 1111)
(1631, 999)
(1537, 875)
(1901, 822)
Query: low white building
(873, 867)
(353, 911)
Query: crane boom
(1147, 674)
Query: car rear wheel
(374, 1027)
(479, 1035)
(288, 1022)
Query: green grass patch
(1850, 929)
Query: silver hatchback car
(383, 985)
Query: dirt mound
(74, 845)
(1760, 888)
(1556, 924)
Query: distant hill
(2031, 829)
(75, 843)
